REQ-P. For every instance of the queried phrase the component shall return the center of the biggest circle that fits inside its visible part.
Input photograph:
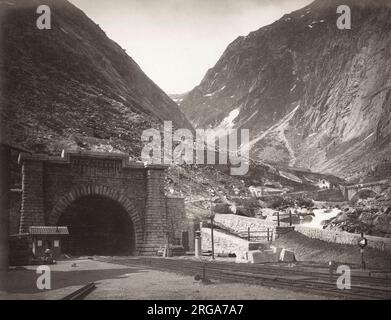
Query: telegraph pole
(211, 230)
(362, 243)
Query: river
(321, 215)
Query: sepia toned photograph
(191, 150)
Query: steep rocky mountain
(313, 96)
(71, 86)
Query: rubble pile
(371, 216)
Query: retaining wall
(225, 243)
(240, 224)
(383, 244)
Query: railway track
(316, 282)
(80, 293)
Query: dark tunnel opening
(97, 226)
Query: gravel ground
(115, 281)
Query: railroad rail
(80, 293)
(314, 281)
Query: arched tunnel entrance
(97, 226)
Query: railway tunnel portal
(110, 204)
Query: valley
(93, 144)
(312, 96)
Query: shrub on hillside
(305, 202)
(280, 202)
(284, 202)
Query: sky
(176, 41)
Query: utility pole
(179, 181)
(198, 249)
(362, 259)
(362, 243)
(211, 230)
(168, 244)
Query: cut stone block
(241, 257)
(256, 256)
(262, 257)
(276, 250)
(287, 256)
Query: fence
(266, 235)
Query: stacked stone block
(51, 184)
(155, 219)
(32, 211)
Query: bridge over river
(355, 192)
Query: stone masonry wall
(33, 210)
(15, 206)
(155, 221)
(59, 180)
(176, 218)
(225, 243)
(241, 224)
(50, 184)
(383, 244)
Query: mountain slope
(312, 95)
(73, 87)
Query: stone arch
(363, 193)
(103, 191)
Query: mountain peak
(312, 95)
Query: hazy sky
(176, 41)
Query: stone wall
(51, 184)
(238, 224)
(20, 249)
(156, 231)
(61, 178)
(383, 244)
(225, 243)
(181, 228)
(332, 195)
(15, 206)
(325, 195)
(377, 186)
(177, 220)
(33, 209)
